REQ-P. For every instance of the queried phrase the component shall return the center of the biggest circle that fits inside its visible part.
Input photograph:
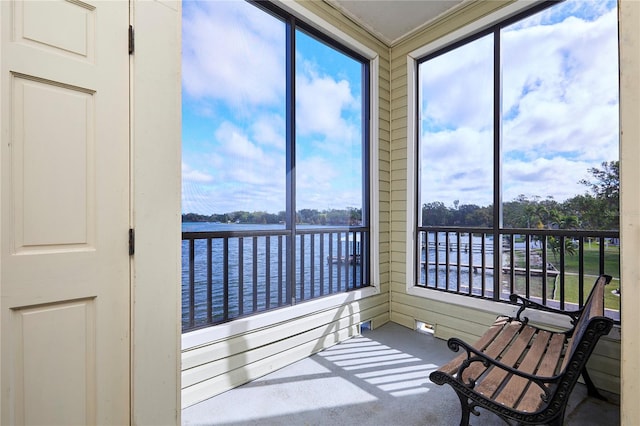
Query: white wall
(629, 34)
(155, 162)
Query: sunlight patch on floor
(389, 370)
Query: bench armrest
(530, 304)
(475, 356)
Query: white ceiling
(390, 20)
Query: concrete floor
(379, 378)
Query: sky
(559, 101)
(233, 114)
(559, 108)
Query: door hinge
(132, 241)
(131, 40)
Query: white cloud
(241, 174)
(243, 163)
(233, 142)
(458, 86)
(315, 175)
(320, 103)
(322, 184)
(269, 129)
(557, 177)
(457, 164)
(232, 51)
(188, 174)
(555, 86)
(249, 198)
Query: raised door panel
(54, 350)
(53, 166)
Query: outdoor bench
(525, 373)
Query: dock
(505, 269)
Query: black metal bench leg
(559, 421)
(591, 388)
(464, 405)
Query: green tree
(435, 214)
(587, 209)
(607, 182)
(337, 217)
(355, 216)
(515, 213)
(605, 187)
(555, 243)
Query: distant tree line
(597, 209)
(350, 216)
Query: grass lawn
(592, 259)
(591, 264)
(611, 301)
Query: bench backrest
(593, 307)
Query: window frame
(489, 24)
(315, 26)
(492, 24)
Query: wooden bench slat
(597, 306)
(513, 390)
(452, 366)
(494, 349)
(531, 400)
(549, 363)
(593, 307)
(493, 380)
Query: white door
(64, 265)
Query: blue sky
(234, 114)
(559, 102)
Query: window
(275, 162)
(517, 159)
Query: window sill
(498, 308)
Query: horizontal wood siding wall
(210, 369)
(213, 368)
(448, 319)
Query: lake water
(474, 250)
